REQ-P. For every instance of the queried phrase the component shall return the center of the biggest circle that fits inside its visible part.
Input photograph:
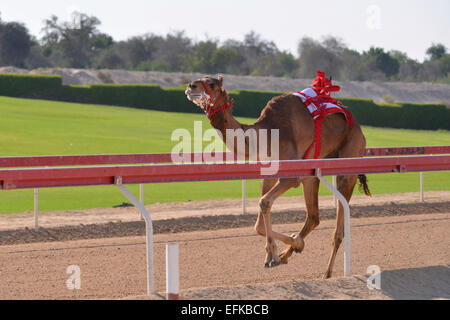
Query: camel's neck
(224, 120)
(230, 129)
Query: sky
(410, 26)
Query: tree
(224, 59)
(288, 64)
(382, 61)
(351, 66)
(15, 43)
(436, 51)
(108, 59)
(173, 51)
(201, 59)
(102, 41)
(132, 51)
(78, 40)
(36, 57)
(315, 55)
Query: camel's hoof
(298, 244)
(272, 263)
(284, 256)
(283, 259)
(327, 275)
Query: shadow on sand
(417, 283)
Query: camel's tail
(363, 184)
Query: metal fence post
(36, 208)
(334, 196)
(421, 188)
(149, 234)
(141, 197)
(344, 203)
(244, 196)
(172, 272)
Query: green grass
(36, 127)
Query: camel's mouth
(201, 99)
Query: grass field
(36, 127)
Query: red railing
(84, 176)
(85, 160)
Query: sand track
(199, 215)
(404, 246)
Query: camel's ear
(220, 78)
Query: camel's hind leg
(345, 185)
(310, 193)
(354, 147)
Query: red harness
(323, 86)
(210, 112)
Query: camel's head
(207, 92)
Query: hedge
(399, 115)
(32, 86)
(248, 103)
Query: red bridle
(210, 111)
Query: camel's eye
(212, 85)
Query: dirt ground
(219, 259)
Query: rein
(211, 111)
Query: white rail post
(346, 221)
(149, 233)
(421, 188)
(36, 208)
(244, 196)
(172, 272)
(141, 197)
(334, 196)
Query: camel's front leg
(345, 186)
(272, 258)
(311, 195)
(265, 204)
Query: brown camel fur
(296, 133)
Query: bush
(175, 100)
(399, 115)
(30, 86)
(248, 103)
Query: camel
(296, 135)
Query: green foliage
(15, 43)
(399, 115)
(31, 86)
(248, 103)
(77, 40)
(78, 43)
(382, 61)
(436, 51)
